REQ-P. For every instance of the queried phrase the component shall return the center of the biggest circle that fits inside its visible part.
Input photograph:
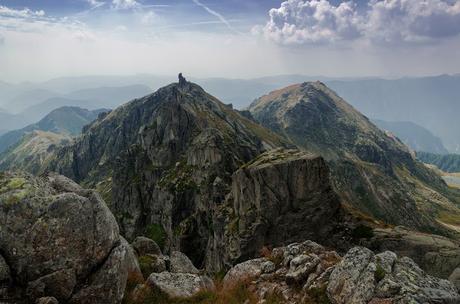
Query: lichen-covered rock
(301, 266)
(179, 284)
(283, 196)
(243, 271)
(455, 278)
(60, 239)
(352, 281)
(47, 300)
(362, 276)
(180, 263)
(144, 245)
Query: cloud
(125, 4)
(95, 3)
(216, 14)
(383, 21)
(148, 18)
(412, 20)
(2, 40)
(24, 13)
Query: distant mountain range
(65, 120)
(447, 163)
(413, 135)
(430, 102)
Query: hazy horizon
(41, 40)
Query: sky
(43, 39)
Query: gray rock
(268, 267)
(59, 239)
(180, 263)
(179, 284)
(47, 300)
(362, 276)
(352, 281)
(243, 271)
(455, 278)
(144, 246)
(107, 284)
(283, 196)
(300, 268)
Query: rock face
(372, 171)
(282, 196)
(61, 241)
(309, 273)
(164, 163)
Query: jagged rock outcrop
(374, 173)
(60, 240)
(280, 197)
(309, 273)
(164, 163)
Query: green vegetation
(379, 273)
(156, 233)
(146, 263)
(179, 178)
(318, 295)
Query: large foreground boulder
(59, 240)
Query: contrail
(219, 16)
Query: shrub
(156, 233)
(146, 264)
(379, 273)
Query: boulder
(300, 267)
(455, 278)
(179, 284)
(60, 240)
(47, 300)
(352, 281)
(362, 276)
(144, 246)
(180, 263)
(243, 271)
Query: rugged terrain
(186, 176)
(59, 240)
(372, 171)
(164, 162)
(64, 120)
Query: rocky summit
(301, 199)
(372, 171)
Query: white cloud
(388, 21)
(2, 40)
(125, 4)
(148, 18)
(95, 3)
(412, 20)
(24, 13)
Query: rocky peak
(371, 171)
